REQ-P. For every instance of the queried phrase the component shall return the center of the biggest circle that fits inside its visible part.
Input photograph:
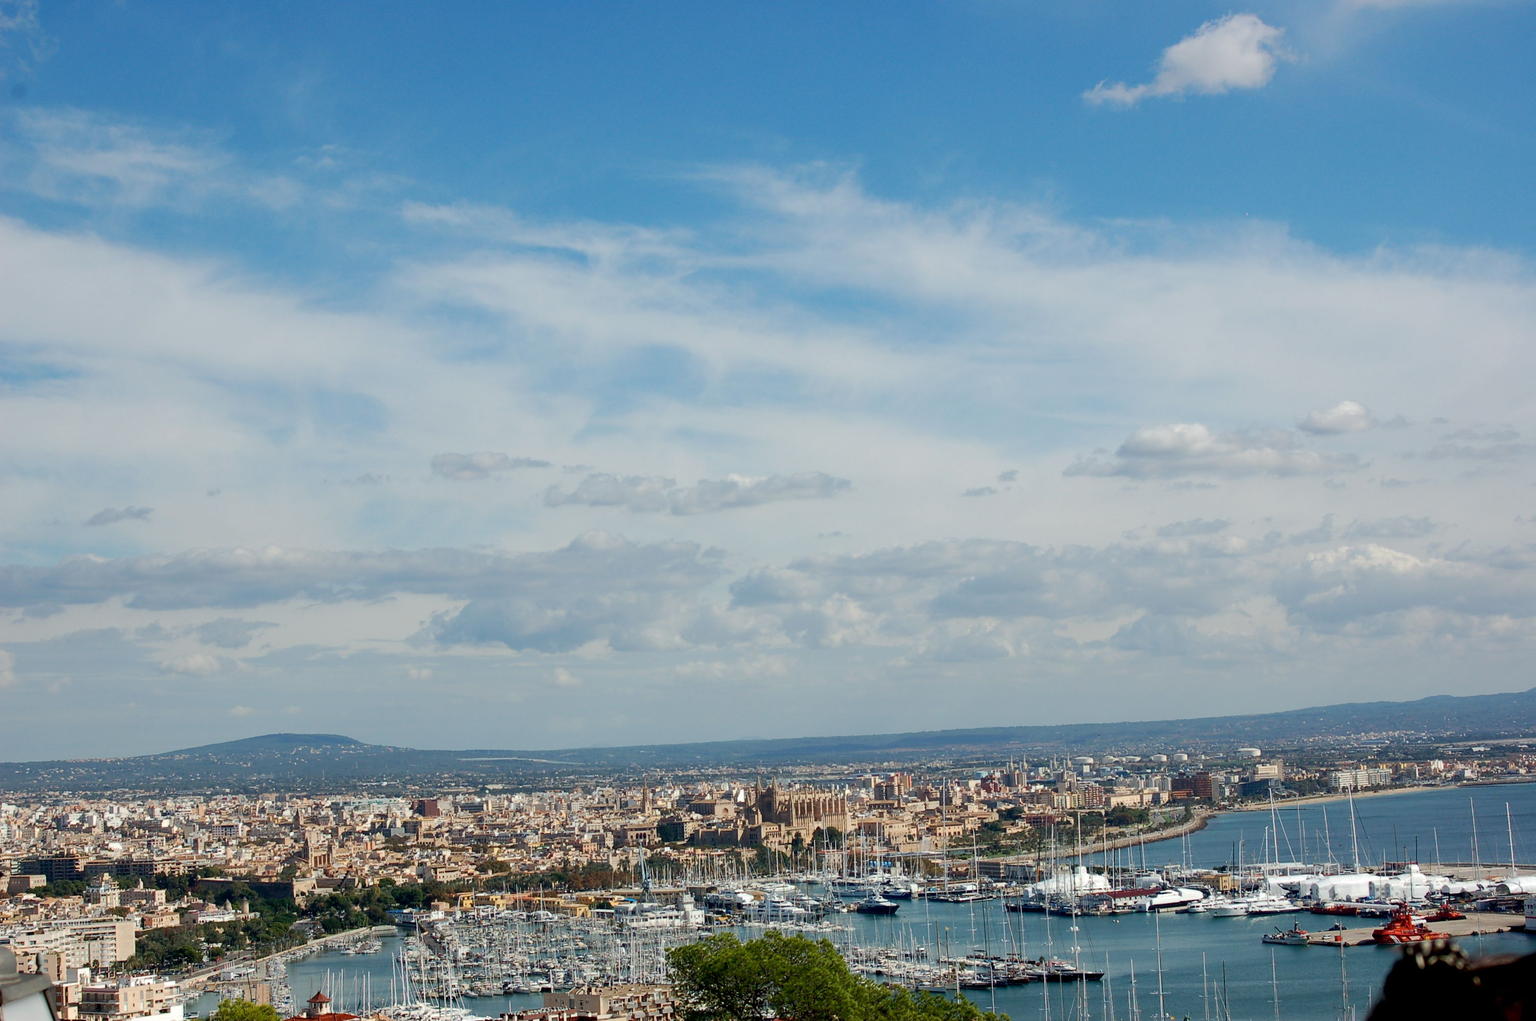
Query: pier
(1477, 923)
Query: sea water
(1426, 826)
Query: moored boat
(1446, 913)
(1295, 936)
(875, 904)
(1404, 928)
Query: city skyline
(539, 378)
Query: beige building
(106, 940)
(137, 997)
(77, 942)
(104, 892)
(609, 1003)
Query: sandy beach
(1323, 799)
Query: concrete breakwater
(1197, 822)
(209, 973)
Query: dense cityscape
(136, 906)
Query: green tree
(719, 978)
(245, 1010)
(796, 979)
(1124, 815)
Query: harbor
(1023, 948)
(1130, 962)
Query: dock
(1477, 923)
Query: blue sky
(541, 375)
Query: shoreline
(1200, 821)
(1323, 799)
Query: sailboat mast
(1274, 984)
(1354, 835)
(1477, 860)
(1205, 988)
(1509, 821)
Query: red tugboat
(1445, 914)
(1404, 928)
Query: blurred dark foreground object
(1437, 980)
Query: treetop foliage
(245, 1010)
(796, 979)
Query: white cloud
(21, 34)
(598, 241)
(1349, 585)
(82, 156)
(418, 673)
(1184, 449)
(1155, 634)
(1343, 417)
(742, 668)
(640, 493)
(1403, 526)
(1194, 526)
(646, 493)
(563, 678)
(243, 577)
(112, 515)
(107, 161)
(197, 664)
(229, 632)
(241, 711)
(969, 642)
(473, 467)
(711, 495)
(7, 669)
(1484, 445)
(1238, 51)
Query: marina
(1163, 948)
(1197, 961)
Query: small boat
(1053, 970)
(1445, 914)
(875, 904)
(1295, 936)
(1270, 904)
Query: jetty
(1477, 923)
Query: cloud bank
(1192, 449)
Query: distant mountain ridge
(334, 761)
(273, 743)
